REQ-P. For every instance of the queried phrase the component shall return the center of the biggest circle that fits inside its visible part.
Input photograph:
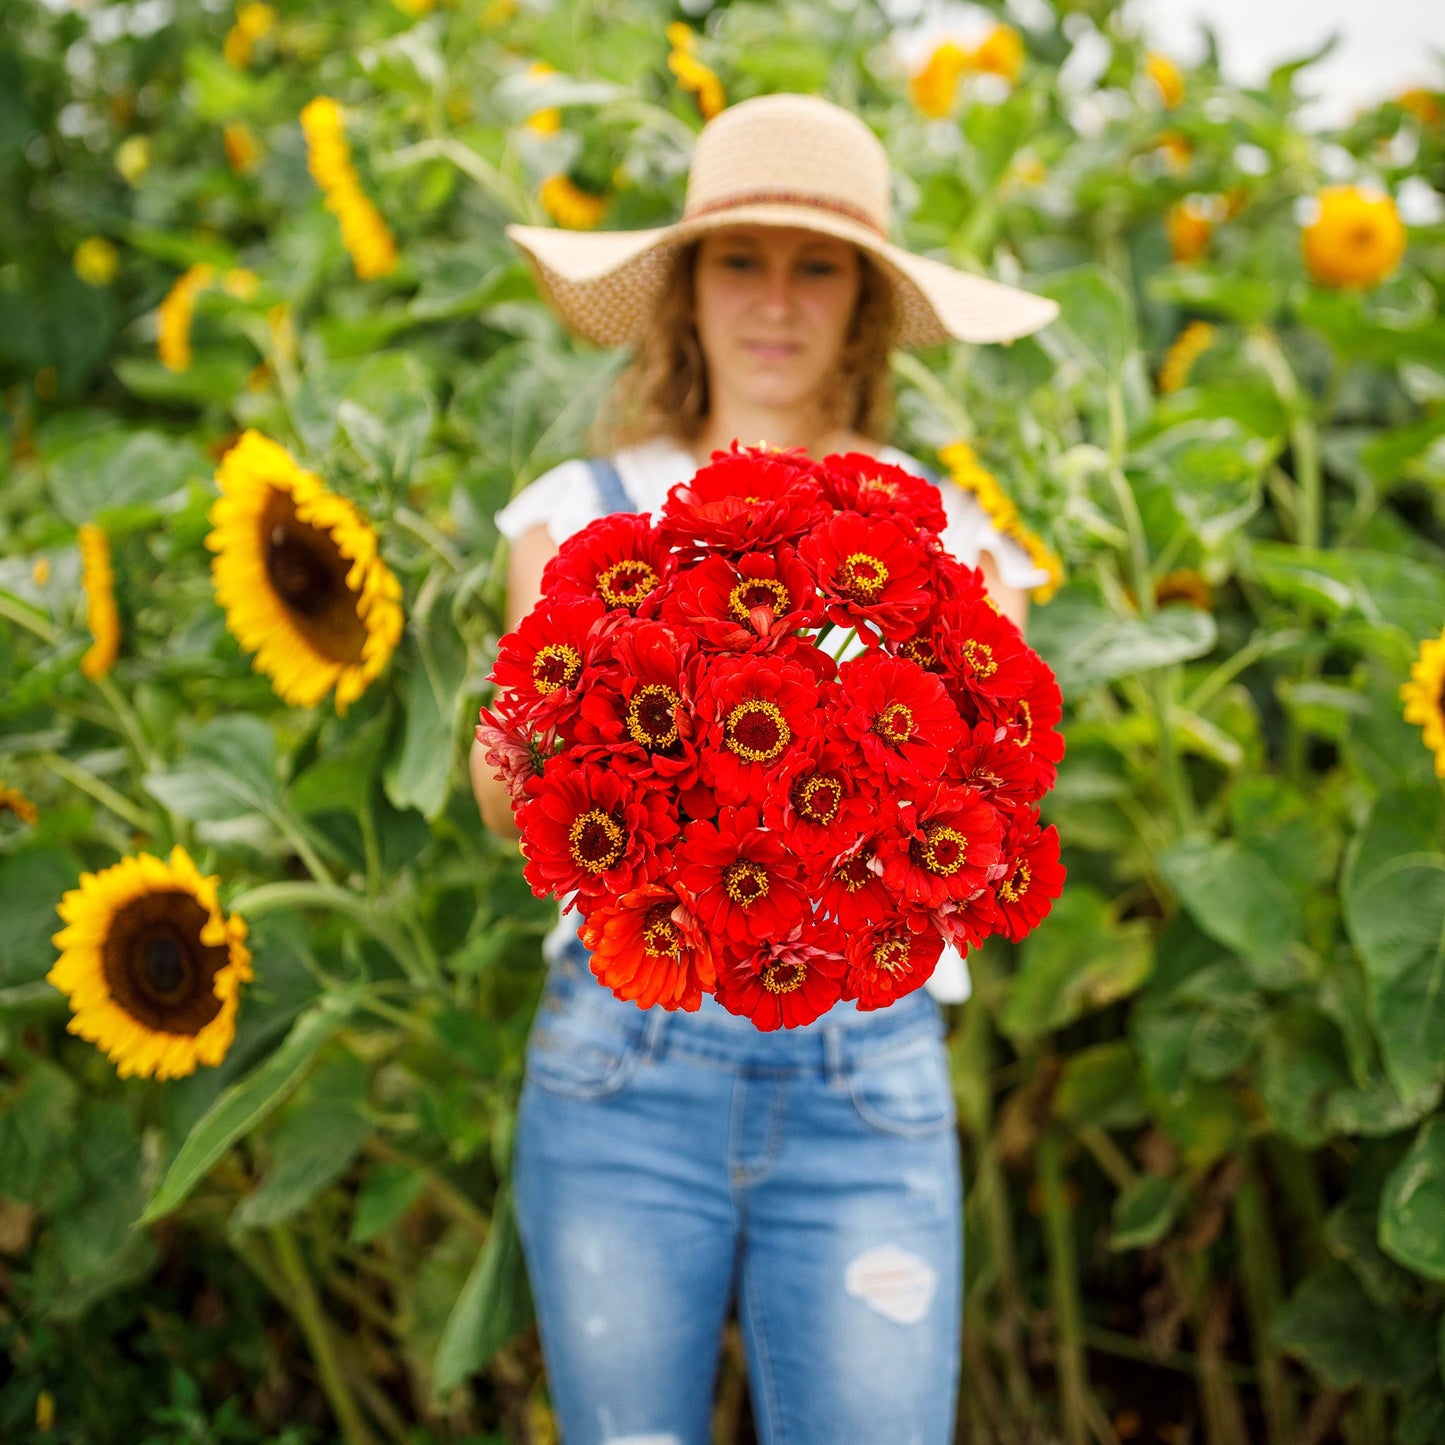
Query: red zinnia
(745, 606)
(618, 559)
(744, 880)
(856, 482)
(888, 962)
(649, 947)
(871, 574)
(1004, 773)
(542, 665)
(816, 803)
(592, 830)
(851, 889)
(1032, 722)
(786, 982)
(983, 657)
(1034, 878)
(899, 715)
(513, 752)
(941, 848)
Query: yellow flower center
(661, 938)
(757, 592)
(1016, 884)
(746, 883)
(894, 724)
(980, 658)
(854, 873)
(757, 731)
(783, 976)
(862, 576)
(596, 840)
(891, 955)
(818, 798)
(1025, 721)
(920, 650)
(555, 665)
(625, 584)
(650, 719)
(943, 850)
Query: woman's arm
(1013, 603)
(529, 557)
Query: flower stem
(27, 618)
(103, 793)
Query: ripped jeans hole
(899, 1285)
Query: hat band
(787, 198)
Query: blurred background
(253, 284)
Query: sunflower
(173, 317)
(1000, 52)
(932, 89)
(298, 574)
(1424, 697)
(1183, 352)
(364, 231)
(1356, 239)
(253, 22)
(1186, 585)
(1165, 74)
(691, 73)
(1190, 227)
(569, 205)
(100, 611)
(549, 120)
(243, 150)
(1423, 104)
(14, 801)
(96, 261)
(151, 965)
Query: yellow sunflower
(1000, 52)
(692, 75)
(1185, 585)
(298, 573)
(175, 313)
(1355, 241)
(1165, 74)
(98, 579)
(253, 22)
(548, 121)
(243, 150)
(1424, 697)
(569, 205)
(364, 231)
(151, 965)
(1190, 227)
(1423, 104)
(1184, 351)
(14, 801)
(933, 88)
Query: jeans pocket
(578, 1047)
(906, 1092)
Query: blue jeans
(664, 1160)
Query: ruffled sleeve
(563, 500)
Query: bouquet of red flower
(737, 811)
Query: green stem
(423, 530)
(27, 618)
(949, 406)
(103, 793)
(306, 1308)
(129, 723)
(1064, 1292)
(1260, 1277)
(472, 165)
(1259, 646)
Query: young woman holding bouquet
(669, 1159)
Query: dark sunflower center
(941, 850)
(650, 719)
(980, 657)
(625, 584)
(596, 840)
(307, 575)
(862, 576)
(891, 955)
(1016, 884)
(1361, 235)
(784, 976)
(894, 724)
(746, 883)
(155, 965)
(661, 938)
(556, 665)
(757, 731)
(757, 592)
(818, 798)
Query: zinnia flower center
(1024, 721)
(942, 851)
(757, 592)
(818, 798)
(625, 584)
(854, 873)
(920, 650)
(746, 883)
(862, 576)
(980, 657)
(555, 665)
(155, 965)
(661, 938)
(784, 976)
(894, 724)
(596, 840)
(757, 731)
(308, 575)
(1016, 884)
(891, 955)
(876, 487)
(650, 719)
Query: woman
(665, 1161)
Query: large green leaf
(1095, 325)
(31, 885)
(1394, 901)
(419, 774)
(227, 769)
(119, 469)
(1087, 644)
(388, 411)
(1212, 472)
(1412, 1205)
(247, 1103)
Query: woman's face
(773, 311)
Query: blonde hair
(663, 391)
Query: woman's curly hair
(663, 391)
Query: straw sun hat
(777, 160)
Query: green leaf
(1412, 1205)
(1212, 472)
(1394, 903)
(1197, 288)
(35, 1134)
(419, 774)
(247, 1103)
(227, 770)
(118, 469)
(492, 1306)
(387, 1193)
(31, 886)
(1099, 1088)
(1145, 1212)
(1095, 325)
(341, 778)
(388, 411)
(1087, 644)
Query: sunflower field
(268, 367)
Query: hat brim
(604, 284)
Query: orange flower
(243, 150)
(1423, 104)
(1000, 52)
(1355, 241)
(934, 88)
(1190, 228)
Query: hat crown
(797, 149)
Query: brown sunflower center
(817, 798)
(920, 650)
(757, 592)
(1016, 884)
(1361, 235)
(891, 955)
(650, 719)
(625, 584)
(784, 976)
(862, 576)
(596, 840)
(941, 850)
(746, 883)
(556, 665)
(980, 657)
(661, 938)
(757, 731)
(894, 724)
(307, 574)
(155, 965)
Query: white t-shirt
(566, 499)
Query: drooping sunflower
(100, 610)
(692, 75)
(364, 231)
(1424, 697)
(1184, 351)
(1000, 52)
(934, 88)
(151, 965)
(1355, 241)
(1166, 76)
(569, 205)
(174, 314)
(298, 573)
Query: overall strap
(609, 486)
